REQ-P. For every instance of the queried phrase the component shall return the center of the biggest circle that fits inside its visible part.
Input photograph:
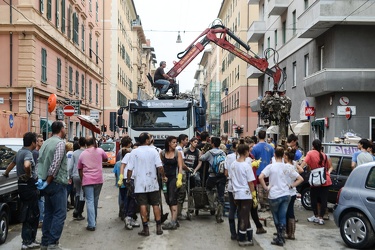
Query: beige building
(91, 54)
(128, 58)
(54, 47)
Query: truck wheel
(3, 226)
(306, 199)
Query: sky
(161, 21)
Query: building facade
(53, 47)
(323, 46)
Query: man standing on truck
(27, 190)
(161, 78)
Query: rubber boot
(159, 231)
(242, 242)
(145, 231)
(219, 214)
(282, 228)
(232, 229)
(75, 212)
(249, 233)
(278, 241)
(291, 228)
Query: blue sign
(11, 121)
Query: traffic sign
(29, 100)
(309, 111)
(68, 110)
(11, 121)
(77, 106)
(348, 113)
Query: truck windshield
(160, 119)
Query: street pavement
(200, 233)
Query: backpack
(218, 164)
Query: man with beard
(53, 178)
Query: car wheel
(3, 227)
(356, 230)
(306, 198)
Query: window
(370, 182)
(77, 83)
(97, 11)
(69, 22)
(97, 51)
(90, 90)
(294, 74)
(63, 16)
(268, 45)
(306, 4)
(306, 65)
(83, 87)
(57, 14)
(97, 94)
(90, 43)
(75, 28)
(275, 39)
(58, 73)
(49, 9)
(70, 80)
(90, 5)
(346, 166)
(44, 66)
(284, 32)
(294, 22)
(41, 6)
(83, 37)
(321, 57)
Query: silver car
(354, 212)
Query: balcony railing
(256, 31)
(277, 7)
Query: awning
(302, 128)
(272, 130)
(43, 125)
(259, 129)
(291, 128)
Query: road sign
(29, 100)
(94, 114)
(68, 110)
(11, 121)
(60, 113)
(309, 111)
(1, 100)
(348, 113)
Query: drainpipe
(10, 57)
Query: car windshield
(160, 119)
(108, 147)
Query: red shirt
(312, 159)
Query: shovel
(164, 217)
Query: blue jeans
(165, 84)
(92, 193)
(55, 197)
(41, 208)
(278, 207)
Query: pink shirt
(312, 159)
(90, 161)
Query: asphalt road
(200, 233)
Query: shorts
(151, 198)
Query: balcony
(137, 26)
(256, 31)
(277, 7)
(339, 80)
(253, 72)
(253, 2)
(323, 15)
(255, 105)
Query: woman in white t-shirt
(279, 175)
(242, 177)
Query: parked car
(13, 143)
(354, 213)
(9, 200)
(341, 170)
(110, 149)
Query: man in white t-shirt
(145, 162)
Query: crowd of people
(257, 174)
